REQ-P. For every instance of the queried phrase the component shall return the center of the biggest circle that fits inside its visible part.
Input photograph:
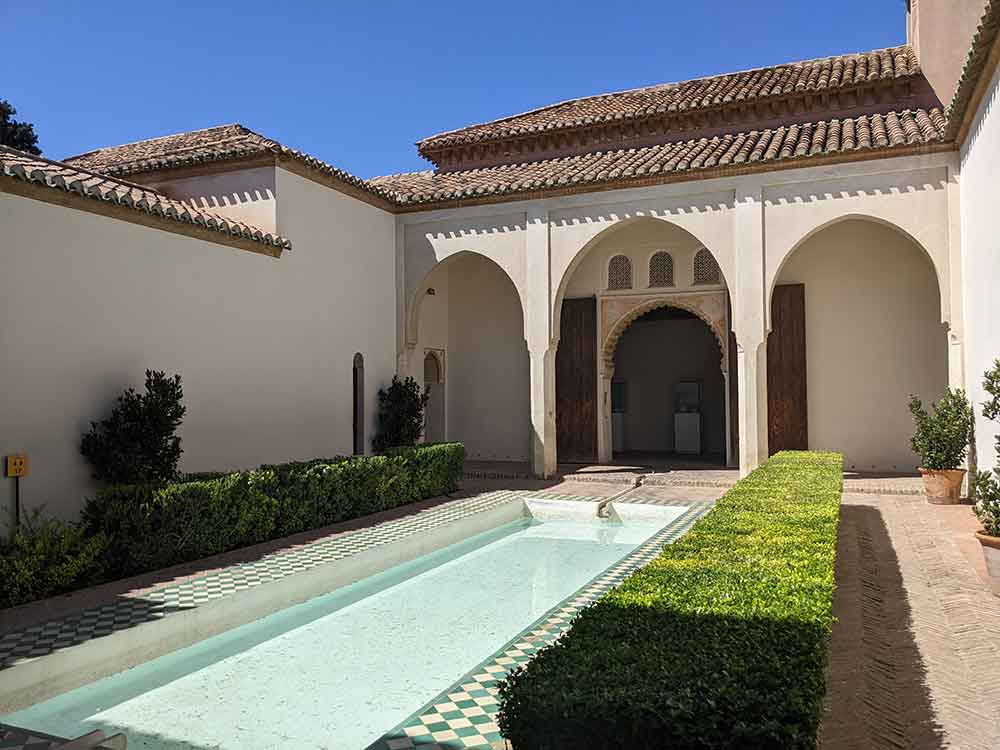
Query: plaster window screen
(706, 270)
(620, 272)
(661, 269)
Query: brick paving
(915, 656)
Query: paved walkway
(915, 657)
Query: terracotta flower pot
(991, 551)
(943, 486)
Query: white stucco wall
(651, 358)
(638, 241)
(981, 258)
(264, 346)
(244, 194)
(873, 336)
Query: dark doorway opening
(668, 391)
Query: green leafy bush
(987, 484)
(44, 557)
(138, 442)
(153, 526)
(718, 643)
(941, 438)
(400, 414)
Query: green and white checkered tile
(464, 715)
(549, 495)
(131, 610)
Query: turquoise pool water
(340, 670)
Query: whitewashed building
(802, 246)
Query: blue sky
(357, 83)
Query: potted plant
(941, 440)
(988, 512)
(987, 488)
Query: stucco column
(541, 344)
(750, 300)
(605, 439)
(751, 364)
(543, 413)
(954, 316)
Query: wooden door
(787, 421)
(576, 381)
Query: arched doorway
(629, 271)
(358, 387)
(467, 313)
(434, 413)
(668, 393)
(855, 328)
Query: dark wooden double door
(787, 405)
(787, 408)
(576, 382)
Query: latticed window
(706, 270)
(620, 273)
(661, 269)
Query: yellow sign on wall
(16, 465)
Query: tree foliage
(400, 414)
(19, 135)
(138, 442)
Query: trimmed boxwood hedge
(130, 529)
(719, 643)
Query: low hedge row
(719, 643)
(130, 529)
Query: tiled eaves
(213, 145)
(811, 77)
(786, 146)
(33, 172)
(982, 60)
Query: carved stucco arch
(638, 215)
(620, 312)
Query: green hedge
(46, 557)
(130, 529)
(719, 643)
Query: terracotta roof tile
(17, 165)
(802, 141)
(821, 75)
(221, 143)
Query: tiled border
(133, 609)
(464, 715)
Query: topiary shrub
(128, 529)
(152, 526)
(721, 642)
(400, 414)
(941, 438)
(138, 442)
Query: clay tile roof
(811, 76)
(17, 165)
(221, 143)
(975, 65)
(798, 142)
